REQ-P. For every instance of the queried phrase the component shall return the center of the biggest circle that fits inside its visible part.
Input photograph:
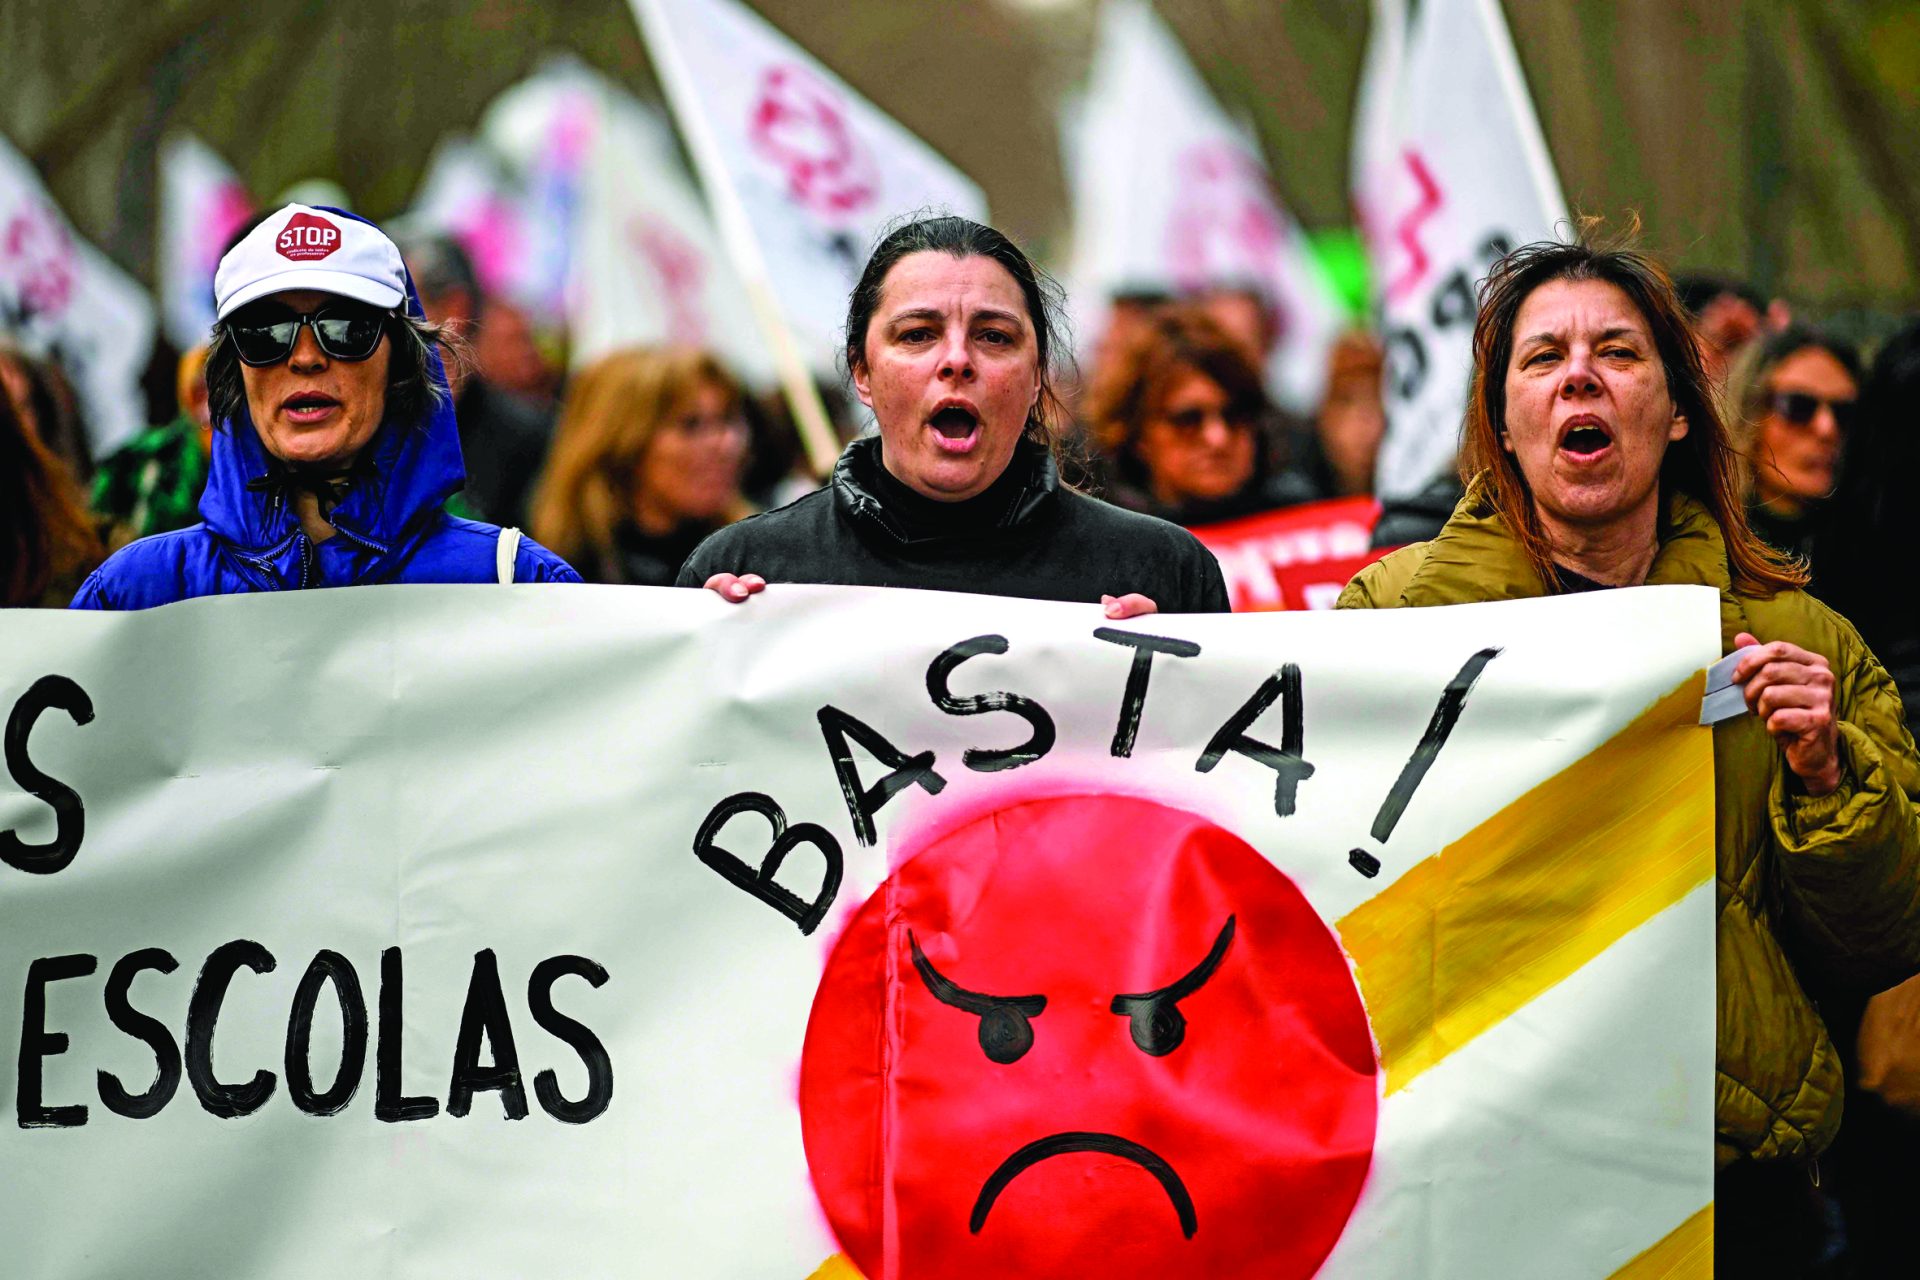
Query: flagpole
(1513, 82)
(817, 435)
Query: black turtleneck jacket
(1025, 536)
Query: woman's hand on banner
(735, 587)
(1131, 605)
(1792, 690)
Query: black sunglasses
(345, 330)
(1191, 422)
(1800, 409)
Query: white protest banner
(648, 266)
(63, 299)
(203, 206)
(802, 175)
(1473, 181)
(1171, 194)
(586, 931)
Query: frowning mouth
(1061, 1144)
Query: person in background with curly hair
(1182, 418)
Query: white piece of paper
(1724, 699)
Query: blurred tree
(1773, 139)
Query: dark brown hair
(1129, 388)
(45, 531)
(1702, 464)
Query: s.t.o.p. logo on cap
(307, 238)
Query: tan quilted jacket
(1827, 886)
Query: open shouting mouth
(1585, 437)
(1061, 1144)
(956, 425)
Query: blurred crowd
(624, 465)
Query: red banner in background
(1297, 557)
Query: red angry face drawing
(1088, 1035)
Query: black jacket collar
(1013, 507)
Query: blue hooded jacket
(390, 526)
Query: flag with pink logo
(1373, 156)
(64, 300)
(203, 206)
(469, 193)
(648, 267)
(1170, 193)
(1467, 178)
(802, 173)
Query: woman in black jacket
(950, 336)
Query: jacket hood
(1022, 496)
(407, 471)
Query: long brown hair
(614, 408)
(1702, 464)
(45, 531)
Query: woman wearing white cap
(335, 444)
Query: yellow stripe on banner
(838, 1267)
(1530, 895)
(1685, 1253)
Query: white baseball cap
(300, 247)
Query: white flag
(648, 267)
(1375, 155)
(203, 204)
(543, 130)
(62, 298)
(467, 193)
(1474, 180)
(1170, 193)
(802, 172)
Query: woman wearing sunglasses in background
(1792, 399)
(1183, 419)
(334, 445)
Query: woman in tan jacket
(1596, 458)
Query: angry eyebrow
(1192, 982)
(1609, 334)
(1154, 1018)
(949, 992)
